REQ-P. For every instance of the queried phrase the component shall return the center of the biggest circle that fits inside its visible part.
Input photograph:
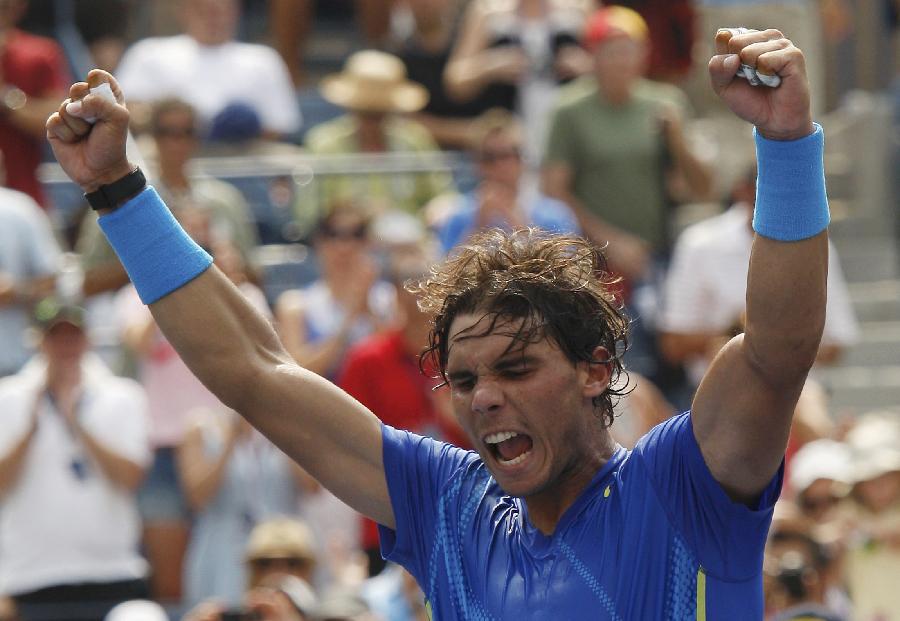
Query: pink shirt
(172, 390)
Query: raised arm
(227, 344)
(743, 408)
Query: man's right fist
(88, 133)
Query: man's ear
(599, 372)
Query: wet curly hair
(558, 285)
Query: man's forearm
(789, 261)
(118, 469)
(11, 464)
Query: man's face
(176, 137)
(500, 159)
(64, 343)
(211, 22)
(618, 63)
(527, 410)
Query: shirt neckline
(538, 541)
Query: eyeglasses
(489, 156)
(175, 132)
(289, 563)
(357, 233)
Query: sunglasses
(175, 132)
(289, 563)
(490, 156)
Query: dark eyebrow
(514, 360)
(456, 376)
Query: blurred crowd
(129, 493)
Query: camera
(239, 614)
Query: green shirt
(616, 154)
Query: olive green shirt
(616, 154)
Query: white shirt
(58, 526)
(211, 77)
(706, 285)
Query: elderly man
(549, 518)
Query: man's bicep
(741, 422)
(331, 435)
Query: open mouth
(508, 447)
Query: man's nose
(487, 397)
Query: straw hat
(281, 538)
(374, 81)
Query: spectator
(515, 54)
(612, 140)
(705, 290)
(175, 129)
(795, 570)
(426, 52)
(33, 80)
(29, 258)
(233, 479)
(74, 452)
(230, 83)
(173, 392)
(504, 197)
(280, 558)
(873, 558)
(348, 301)
(374, 90)
(820, 478)
(616, 142)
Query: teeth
(515, 460)
(496, 438)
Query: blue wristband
(791, 203)
(156, 252)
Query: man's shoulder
(18, 206)
(26, 44)
(109, 387)
(576, 95)
(332, 136)
(720, 230)
(15, 388)
(158, 48)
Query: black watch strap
(114, 194)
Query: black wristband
(114, 194)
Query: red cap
(614, 21)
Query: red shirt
(379, 373)
(38, 67)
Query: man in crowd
(373, 89)
(73, 452)
(237, 87)
(549, 519)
